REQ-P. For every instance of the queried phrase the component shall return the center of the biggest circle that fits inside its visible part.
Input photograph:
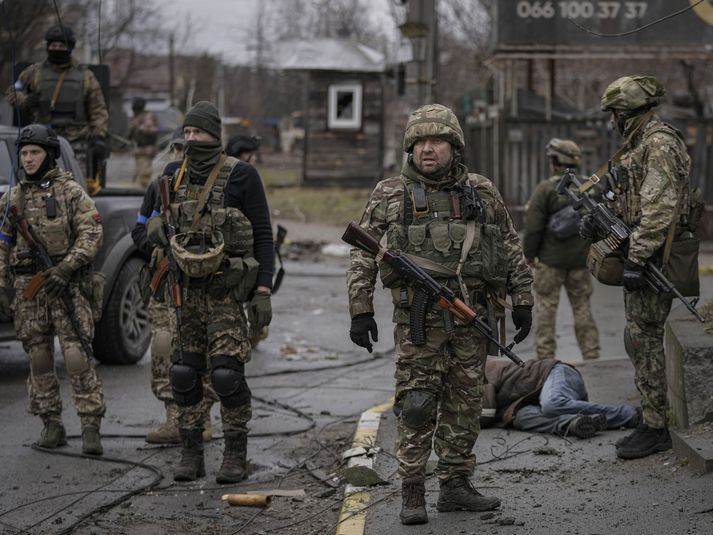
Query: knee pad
(186, 381)
(228, 379)
(75, 360)
(417, 408)
(161, 344)
(41, 360)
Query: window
(344, 106)
(5, 164)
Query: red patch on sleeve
(96, 217)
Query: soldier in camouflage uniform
(67, 223)
(159, 315)
(66, 96)
(224, 249)
(650, 190)
(561, 260)
(455, 225)
(143, 131)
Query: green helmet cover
(632, 92)
(433, 120)
(566, 151)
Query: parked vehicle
(123, 334)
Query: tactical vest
(68, 109)
(631, 161)
(235, 227)
(433, 225)
(46, 211)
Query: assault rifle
(43, 259)
(174, 285)
(616, 235)
(427, 289)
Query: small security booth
(343, 109)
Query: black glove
(522, 318)
(587, 228)
(362, 326)
(633, 276)
(56, 279)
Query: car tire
(123, 334)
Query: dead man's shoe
(586, 426)
(91, 440)
(413, 502)
(643, 442)
(459, 494)
(53, 435)
(192, 463)
(235, 466)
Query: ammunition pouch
(682, 265)
(247, 278)
(606, 264)
(145, 283)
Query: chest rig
(632, 173)
(44, 206)
(451, 233)
(214, 215)
(62, 97)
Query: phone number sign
(549, 22)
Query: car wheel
(124, 332)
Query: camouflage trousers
(143, 165)
(36, 323)
(213, 327)
(161, 349)
(449, 367)
(578, 285)
(646, 313)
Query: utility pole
(171, 70)
(421, 28)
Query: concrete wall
(689, 369)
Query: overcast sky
(226, 26)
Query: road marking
(351, 517)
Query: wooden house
(343, 109)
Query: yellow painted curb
(352, 516)
(705, 270)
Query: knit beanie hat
(204, 115)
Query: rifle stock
(159, 275)
(407, 269)
(30, 291)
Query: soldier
(561, 257)
(649, 183)
(159, 314)
(224, 249)
(144, 133)
(455, 226)
(67, 223)
(67, 97)
(243, 148)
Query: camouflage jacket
(73, 235)
(654, 193)
(95, 109)
(143, 129)
(539, 242)
(383, 215)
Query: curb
(352, 516)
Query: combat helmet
(631, 93)
(566, 151)
(198, 254)
(63, 34)
(434, 120)
(38, 134)
(240, 144)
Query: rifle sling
(202, 199)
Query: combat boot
(53, 434)
(459, 494)
(235, 466)
(642, 442)
(413, 502)
(91, 440)
(192, 464)
(168, 432)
